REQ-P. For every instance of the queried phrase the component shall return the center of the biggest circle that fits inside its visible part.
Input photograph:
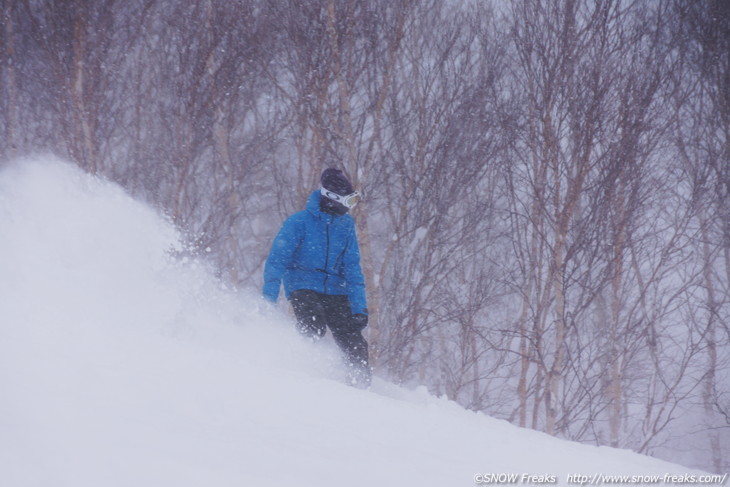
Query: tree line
(546, 219)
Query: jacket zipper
(326, 256)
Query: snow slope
(123, 366)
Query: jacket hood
(313, 204)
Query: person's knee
(309, 314)
(310, 326)
(355, 347)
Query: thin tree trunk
(11, 84)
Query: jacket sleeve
(354, 277)
(280, 257)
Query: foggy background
(546, 219)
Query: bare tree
(75, 38)
(564, 76)
(587, 163)
(702, 110)
(9, 58)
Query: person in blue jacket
(317, 257)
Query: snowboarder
(316, 255)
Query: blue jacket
(316, 251)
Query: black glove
(360, 321)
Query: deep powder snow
(122, 365)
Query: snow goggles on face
(348, 201)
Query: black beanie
(334, 180)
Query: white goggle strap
(348, 201)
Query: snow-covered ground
(123, 366)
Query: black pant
(316, 312)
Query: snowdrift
(121, 365)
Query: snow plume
(121, 365)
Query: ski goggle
(348, 201)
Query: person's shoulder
(298, 215)
(295, 220)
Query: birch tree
(703, 141)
